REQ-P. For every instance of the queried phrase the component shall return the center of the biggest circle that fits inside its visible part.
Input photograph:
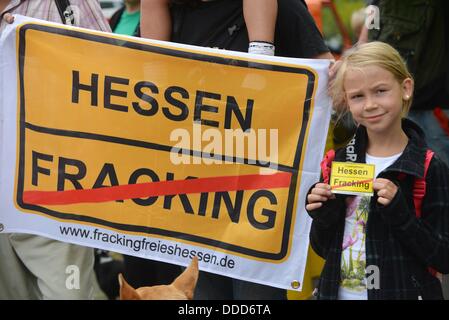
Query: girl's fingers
(322, 186)
(384, 193)
(383, 201)
(378, 185)
(386, 190)
(319, 194)
(313, 206)
(312, 198)
(322, 192)
(381, 183)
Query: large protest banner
(161, 150)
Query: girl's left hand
(386, 190)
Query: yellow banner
(104, 121)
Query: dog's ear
(126, 291)
(186, 282)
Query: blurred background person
(126, 20)
(221, 24)
(32, 266)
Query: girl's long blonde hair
(369, 54)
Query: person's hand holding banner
(8, 18)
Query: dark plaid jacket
(401, 245)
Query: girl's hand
(386, 190)
(319, 194)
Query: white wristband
(259, 47)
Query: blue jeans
(436, 138)
(215, 287)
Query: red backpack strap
(442, 119)
(326, 165)
(419, 188)
(419, 191)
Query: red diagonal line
(162, 188)
(350, 184)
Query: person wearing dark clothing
(141, 272)
(401, 244)
(137, 271)
(420, 32)
(221, 24)
(393, 242)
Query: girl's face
(375, 98)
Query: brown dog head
(181, 289)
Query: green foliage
(345, 9)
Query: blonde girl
(382, 247)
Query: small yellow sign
(352, 178)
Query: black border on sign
(176, 53)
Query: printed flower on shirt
(362, 223)
(351, 205)
(348, 241)
(363, 208)
(353, 246)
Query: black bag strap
(65, 12)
